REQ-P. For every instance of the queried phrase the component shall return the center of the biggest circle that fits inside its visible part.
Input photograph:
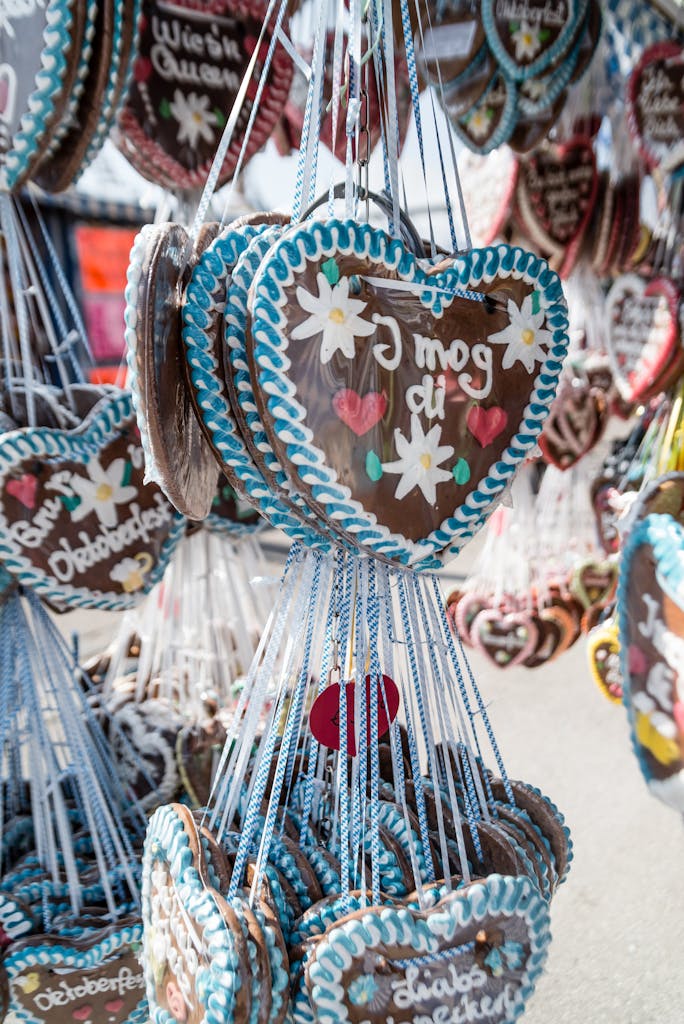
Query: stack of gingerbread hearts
(277, 325)
(66, 68)
(326, 833)
(501, 72)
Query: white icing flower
(419, 461)
(523, 336)
(194, 117)
(334, 315)
(101, 491)
(534, 89)
(527, 41)
(479, 122)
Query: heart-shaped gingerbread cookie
(556, 194)
(526, 38)
(603, 650)
(651, 620)
(95, 978)
(642, 333)
(656, 105)
(90, 533)
(191, 62)
(507, 638)
(477, 953)
(339, 306)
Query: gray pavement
(617, 955)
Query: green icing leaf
(373, 467)
(331, 271)
(461, 472)
(127, 474)
(535, 303)
(70, 503)
(544, 34)
(165, 108)
(220, 119)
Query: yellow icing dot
(425, 461)
(336, 315)
(527, 336)
(664, 750)
(104, 492)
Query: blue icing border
(577, 10)
(114, 96)
(506, 125)
(664, 535)
(317, 240)
(41, 102)
(495, 895)
(69, 118)
(14, 963)
(235, 320)
(167, 840)
(217, 261)
(103, 424)
(553, 84)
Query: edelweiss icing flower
(194, 118)
(527, 41)
(101, 491)
(478, 123)
(419, 461)
(525, 340)
(334, 315)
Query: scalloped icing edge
(319, 239)
(41, 102)
(115, 92)
(554, 84)
(497, 894)
(656, 51)
(271, 107)
(136, 260)
(662, 534)
(235, 318)
(167, 839)
(212, 401)
(35, 956)
(506, 126)
(107, 418)
(541, 63)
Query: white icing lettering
(427, 398)
(125, 981)
(380, 350)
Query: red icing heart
(82, 1013)
(486, 424)
(359, 414)
(114, 1005)
(325, 713)
(23, 488)
(638, 663)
